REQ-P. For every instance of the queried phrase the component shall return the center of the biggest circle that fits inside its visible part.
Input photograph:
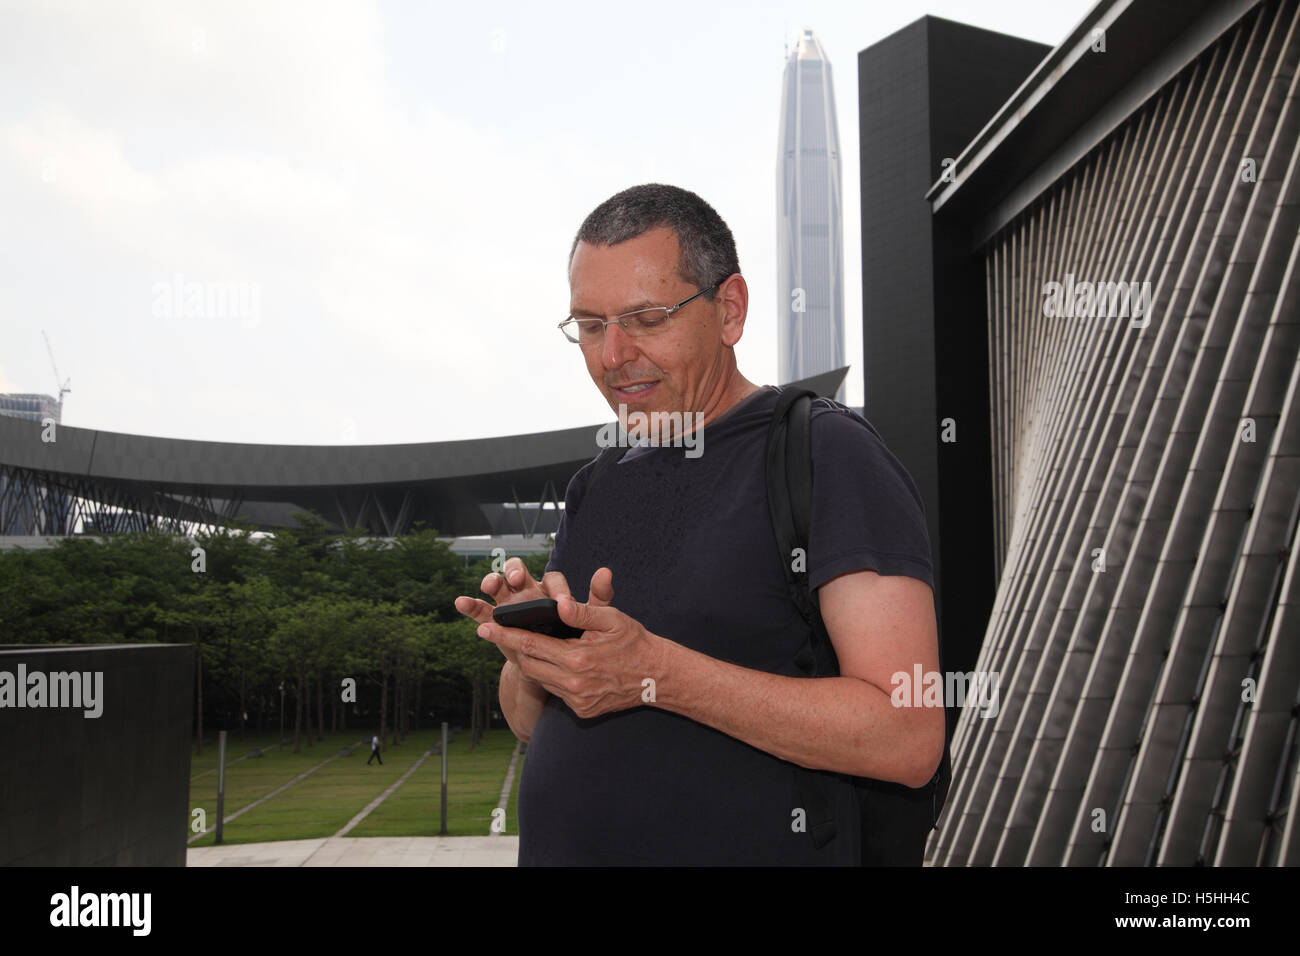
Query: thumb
(602, 588)
(584, 616)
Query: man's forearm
(841, 724)
(521, 701)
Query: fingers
(517, 577)
(543, 673)
(588, 617)
(480, 611)
(514, 640)
(490, 584)
(602, 588)
(555, 586)
(497, 586)
(512, 584)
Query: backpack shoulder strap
(789, 499)
(789, 495)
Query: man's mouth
(638, 390)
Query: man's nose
(617, 346)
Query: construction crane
(64, 385)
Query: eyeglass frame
(604, 323)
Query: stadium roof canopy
(111, 480)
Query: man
(678, 728)
(374, 751)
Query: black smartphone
(541, 616)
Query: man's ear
(735, 305)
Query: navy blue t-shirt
(694, 558)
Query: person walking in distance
(374, 751)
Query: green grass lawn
(235, 748)
(321, 804)
(474, 780)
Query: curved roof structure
(457, 487)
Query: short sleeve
(573, 492)
(557, 547)
(867, 514)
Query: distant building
(810, 234)
(30, 507)
(31, 406)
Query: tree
(200, 616)
(252, 605)
(297, 644)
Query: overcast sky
(393, 188)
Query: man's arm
(879, 626)
(522, 701)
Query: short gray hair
(708, 250)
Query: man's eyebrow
(643, 304)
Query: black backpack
(896, 820)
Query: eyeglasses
(636, 324)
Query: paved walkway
(364, 851)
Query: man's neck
(738, 389)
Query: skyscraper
(810, 235)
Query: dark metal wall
(1146, 621)
(924, 92)
(105, 791)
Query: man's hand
(512, 585)
(599, 673)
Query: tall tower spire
(810, 232)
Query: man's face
(683, 367)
